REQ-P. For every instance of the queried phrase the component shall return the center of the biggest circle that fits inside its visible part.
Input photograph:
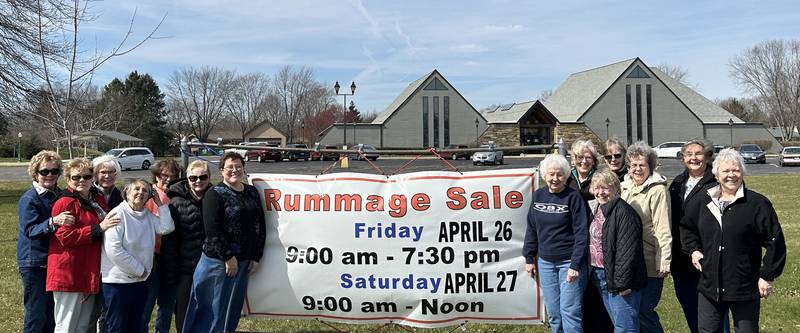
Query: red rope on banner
(402, 167)
(329, 167)
(452, 167)
(360, 153)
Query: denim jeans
(38, 302)
(624, 310)
(164, 297)
(651, 295)
(124, 303)
(562, 300)
(216, 299)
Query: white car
(133, 157)
(669, 149)
(488, 155)
(242, 151)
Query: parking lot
(667, 167)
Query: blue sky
(491, 51)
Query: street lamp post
(19, 147)
(730, 123)
(607, 122)
(352, 109)
(352, 92)
(476, 132)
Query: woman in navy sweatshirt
(557, 235)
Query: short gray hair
(708, 148)
(579, 146)
(728, 155)
(554, 161)
(106, 161)
(131, 183)
(642, 149)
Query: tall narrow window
(649, 100)
(638, 112)
(425, 141)
(436, 122)
(446, 111)
(628, 112)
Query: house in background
(430, 112)
(261, 132)
(520, 124)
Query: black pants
(710, 314)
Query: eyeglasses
(196, 178)
(612, 156)
(79, 177)
(47, 172)
(231, 169)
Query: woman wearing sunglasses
(35, 228)
(73, 260)
(615, 157)
(184, 246)
(233, 220)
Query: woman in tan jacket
(646, 191)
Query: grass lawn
(780, 313)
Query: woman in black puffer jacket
(181, 249)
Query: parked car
(133, 157)
(752, 153)
(368, 151)
(487, 155)
(261, 155)
(669, 149)
(456, 155)
(296, 155)
(207, 151)
(789, 156)
(243, 151)
(320, 156)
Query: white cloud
(502, 28)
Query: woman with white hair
(557, 239)
(127, 256)
(725, 241)
(106, 172)
(584, 162)
(646, 191)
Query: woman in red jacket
(73, 260)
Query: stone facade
(572, 132)
(503, 135)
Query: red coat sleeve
(80, 232)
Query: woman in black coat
(616, 254)
(181, 249)
(725, 241)
(686, 192)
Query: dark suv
(296, 155)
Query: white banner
(424, 249)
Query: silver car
(789, 156)
(488, 155)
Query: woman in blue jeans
(557, 236)
(235, 235)
(35, 228)
(616, 254)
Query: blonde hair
(605, 176)
(579, 146)
(40, 159)
(79, 164)
(197, 164)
